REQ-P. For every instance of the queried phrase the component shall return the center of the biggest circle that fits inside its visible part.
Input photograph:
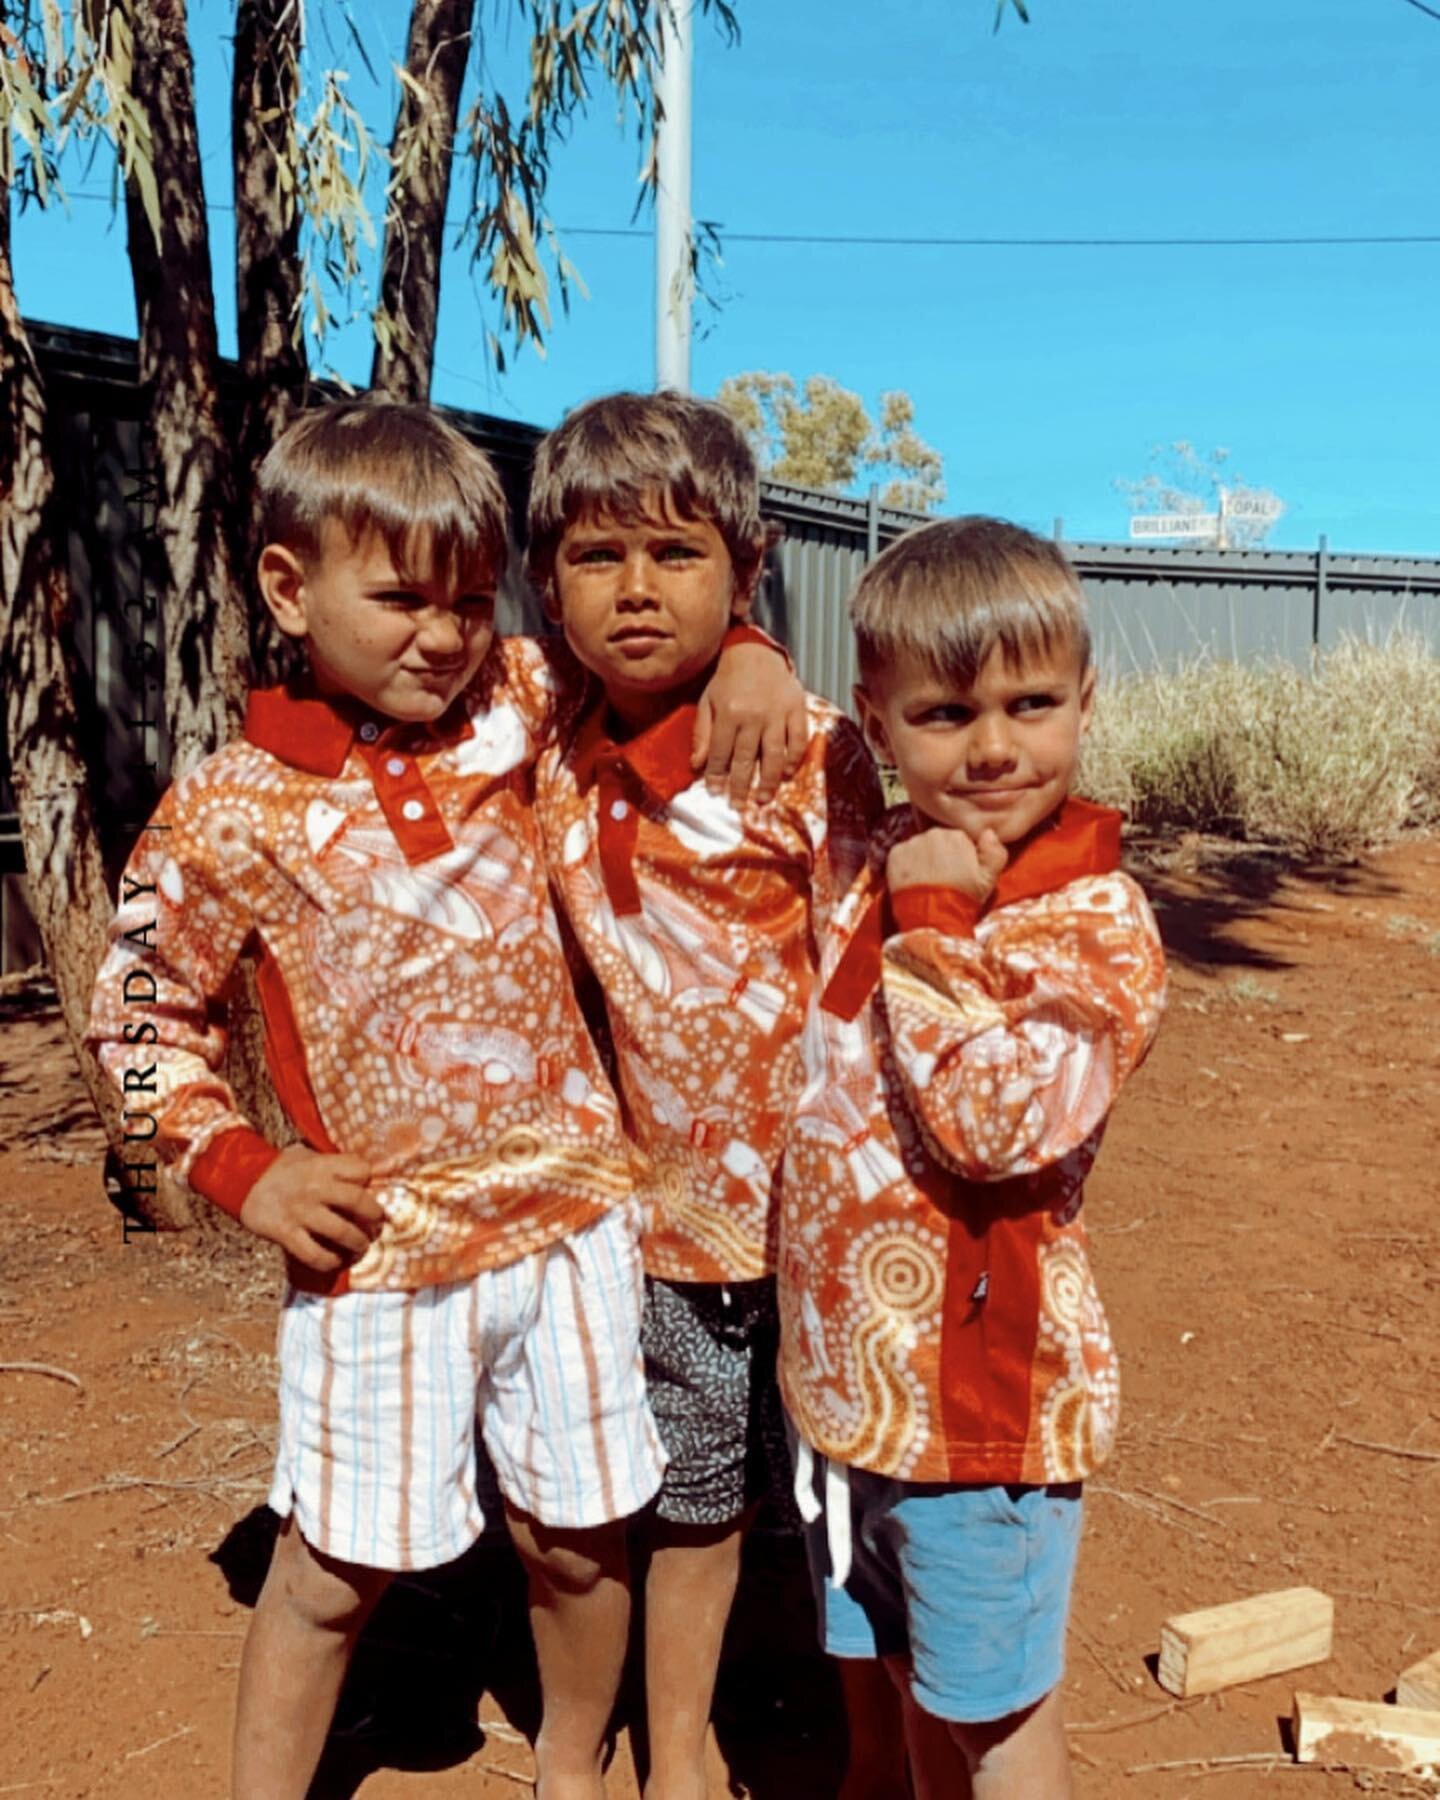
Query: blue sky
(1040, 374)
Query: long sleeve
(157, 1015)
(1012, 1037)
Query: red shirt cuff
(936, 909)
(752, 634)
(229, 1166)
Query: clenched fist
(942, 857)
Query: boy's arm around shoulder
(838, 794)
(1012, 1039)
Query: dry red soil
(1264, 1225)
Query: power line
(1016, 243)
(857, 241)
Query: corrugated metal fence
(1151, 607)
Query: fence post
(872, 522)
(1322, 573)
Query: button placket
(618, 826)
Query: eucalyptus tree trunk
(439, 48)
(202, 605)
(67, 890)
(273, 373)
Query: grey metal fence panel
(1150, 608)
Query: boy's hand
(947, 858)
(314, 1207)
(751, 722)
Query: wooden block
(1220, 1646)
(1420, 1684)
(1364, 1734)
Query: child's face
(999, 754)
(645, 606)
(403, 648)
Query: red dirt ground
(1263, 1231)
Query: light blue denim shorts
(972, 1583)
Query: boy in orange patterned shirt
(988, 985)
(699, 922)
(457, 1217)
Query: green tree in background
(824, 437)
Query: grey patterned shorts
(710, 1354)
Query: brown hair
(615, 455)
(948, 593)
(398, 470)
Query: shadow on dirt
(1204, 890)
(440, 1641)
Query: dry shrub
(1329, 763)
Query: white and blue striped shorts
(381, 1396)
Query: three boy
(970, 997)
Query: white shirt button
(619, 809)
(369, 731)
(412, 809)
(395, 765)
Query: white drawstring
(837, 1507)
(805, 1501)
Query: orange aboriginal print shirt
(418, 1008)
(700, 925)
(939, 1319)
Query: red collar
(1081, 839)
(313, 733)
(659, 756)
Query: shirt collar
(1080, 839)
(659, 756)
(312, 732)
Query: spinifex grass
(1328, 763)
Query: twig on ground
(33, 1368)
(145, 1750)
(1144, 1718)
(1339, 1437)
(119, 1484)
(1149, 1505)
(1381, 1600)
(175, 1442)
(1274, 1759)
(182, 1631)
(1183, 1505)
(509, 1775)
(1116, 1679)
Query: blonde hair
(621, 453)
(398, 470)
(947, 594)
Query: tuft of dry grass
(1332, 762)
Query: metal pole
(1059, 532)
(872, 522)
(1322, 583)
(674, 284)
